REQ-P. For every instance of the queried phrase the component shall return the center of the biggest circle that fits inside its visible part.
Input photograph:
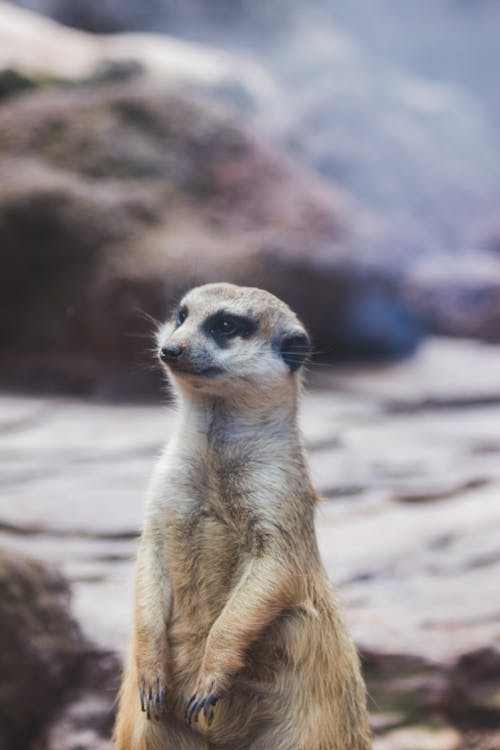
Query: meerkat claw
(153, 700)
(188, 706)
(162, 700)
(194, 707)
(156, 706)
(208, 708)
(199, 706)
(210, 701)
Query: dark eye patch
(222, 326)
(181, 316)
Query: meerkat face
(222, 334)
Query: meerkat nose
(171, 353)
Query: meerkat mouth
(205, 372)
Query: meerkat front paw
(152, 664)
(153, 691)
(152, 697)
(208, 691)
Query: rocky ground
(407, 459)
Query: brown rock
(43, 652)
(473, 695)
(457, 296)
(86, 722)
(117, 197)
(480, 741)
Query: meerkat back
(238, 642)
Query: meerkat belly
(204, 561)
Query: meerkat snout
(171, 353)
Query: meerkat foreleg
(262, 592)
(153, 603)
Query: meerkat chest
(210, 521)
(209, 524)
(207, 495)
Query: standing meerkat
(238, 643)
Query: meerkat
(238, 642)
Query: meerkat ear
(295, 348)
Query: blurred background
(344, 156)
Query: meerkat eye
(181, 316)
(223, 326)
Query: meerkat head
(222, 337)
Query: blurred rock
(13, 82)
(149, 187)
(43, 653)
(86, 722)
(445, 374)
(421, 738)
(409, 139)
(419, 154)
(408, 691)
(473, 695)
(400, 689)
(457, 295)
(116, 197)
(106, 16)
(481, 741)
(398, 105)
(41, 52)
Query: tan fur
(231, 595)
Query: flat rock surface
(406, 456)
